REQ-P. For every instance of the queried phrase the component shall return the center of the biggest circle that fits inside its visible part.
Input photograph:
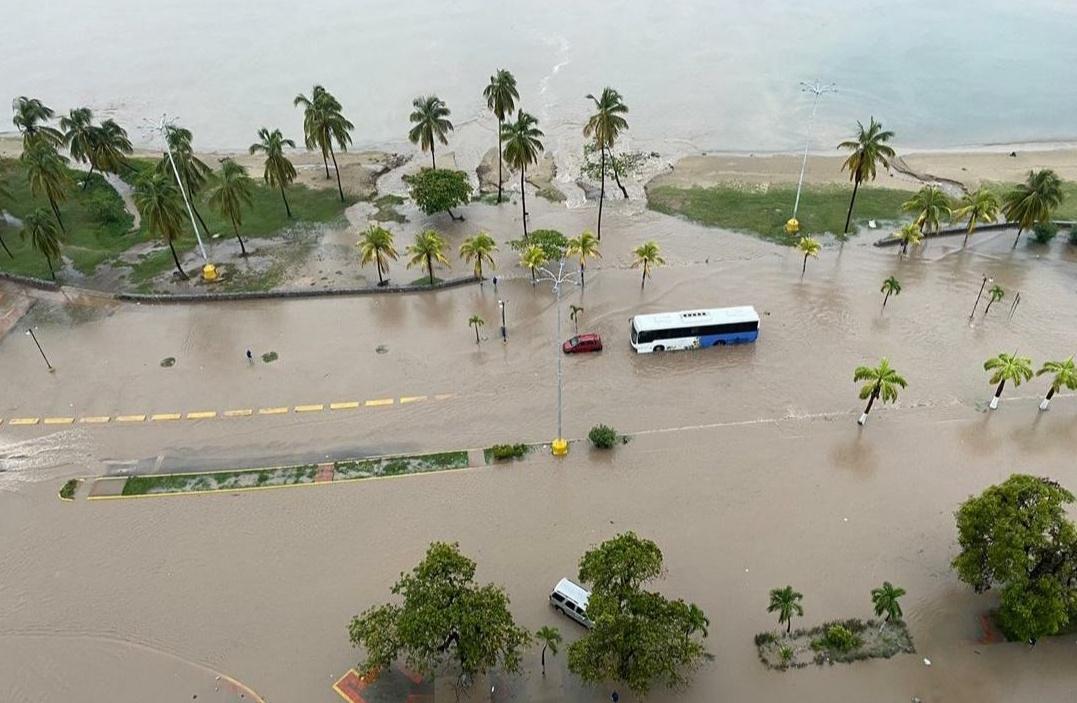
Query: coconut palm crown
(1033, 201)
(431, 120)
(981, 205)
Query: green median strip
(400, 465)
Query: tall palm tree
(996, 293)
(881, 381)
(605, 125)
(40, 229)
(431, 120)
(1007, 367)
(501, 97)
(80, 138)
(583, 247)
(233, 192)
(647, 255)
(48, 175)
(1065, 377)
(891, 286)
(695, 620)
(1032, 201)
(376, 244)
(112, 147)
(427, 249)
(161, 206)
(323, 124)
(479, 248)
(810, 246)
(532, 257)
(31, 116)
(476, 322)
(981, 205)
(786, 602)
(279, 170)
(193, 172)
(523, 144)
(909, 234)
(574, 315)
(869, 149)
(885, 599)
(931, 206)
(549, 637)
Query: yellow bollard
(792, 226)
(559, 446)
(209, 273)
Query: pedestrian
(495, 283)
(250, 357)
(614, 697)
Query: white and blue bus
(694, 329)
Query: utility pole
(559, 445)
(817, 89)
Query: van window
(558, 597)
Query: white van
(571, 599)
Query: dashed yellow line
(202, 415)
(23, 421)
(349, 405)
(94, 419)
(159, 417)
(318, 407)
(244, 412)
(379, 402)
(59, 420)
(130, 418)
(273, 411)
(412, 399)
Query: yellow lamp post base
(792, 226)
(559, 446)
(209, 273)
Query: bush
(785, 653)
(603, 436)
(67, 492)
(838, 638)
(106, 208)
(1044, 232)
(508, 451)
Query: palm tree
(48, 175)
(981, 205)
(891, 286)
(550, 638)
(931, 206)
(810, 246)
(476, 322)
(533, 257)
(647, 255)
(376, 244)
(786, 602)
(30, 118)
(522, 148)
(996, 294)
(605, 125)
(1032, 201)
(161, 206)
(1007, 367)
(111, 147)
(869, 149)
(39, 228)
(430, 118)
(427, 249)
(1065, 377)
(279, 171)
(193, 172)
(501, 97)
(574, 315)
(479, 248)
(233, 192)
(882, 381)
(583, 247)
(885, 599)
(324, 123)
(80, 138)
(909, 234)
(695, 621)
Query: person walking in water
(250, 357)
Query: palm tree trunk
(2, 244)
(377, 263)
(998, 394)
(523, 200)
(543, 660)
(242, 248)
(336, 168)
(197, 214)
(871, 401)
(852, 201)
(1019, 231)
(965, 242)
(433, 163)
(325, 160)
(804, 267)
(533, 279)
(56, 212)
(643, 280)
(789, 626)
(499, 176)
(430, 268)
(1047, 399)
(886, 298)
(89, 173)
(582, 279)
(478, 268)
(601, 194)
(617, 176)
(287, 208)
(176, 259)
(988, 308)
(52, 271)
(476, 334)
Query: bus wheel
(659, 348)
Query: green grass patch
(425, 281)
(220, 481)
(397, 466)
(838, 641)
(67, 491)
(386, 208)
(763, 210)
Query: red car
(582, 343)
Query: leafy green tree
(869, 149)
(428, 248)
(604, 126)
(574, 315)
(880, 381)
(1017, 536)
(279, 170)
(48, 175)
(931, 206)
(885, 598)
(1032, 201)
(549, 638)
(981, 205)
(891, 286)
(439, 190)
(995, 294)
(161, 206)
(479, 248)
(324, 124)
(810, 247)
(786, 602)
(431, 120)
(616, 165)
(376, 244)
(80, 138)
(1065, 377)
(193, 172)
(1007, 367)
(233, 192)
(533, 257)
(523, 144)
(647, 256)
(639, 637)
(31, 116)
(476, 322)
(501, 97)
(909, 234)
(39, 228)
(583, 247)
(553, 244)
(444, 616)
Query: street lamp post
(30, 332)
(978, 295)
(817, 89)
(559, 445)
(504, 329)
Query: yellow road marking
(309, 408)
(165, 416)
(411, 399)
(130, 418)
(350, 405)
(272, 411)
(95, 419)
(59, 420)
(443, 396)
(23, 421)
(202, 415)
(381, 401)
(245, 412)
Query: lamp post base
(209, 273)
(559, 446)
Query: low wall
(955, 231)
(167, 298)
(30, 281)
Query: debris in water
(270, 357)
(927, 662)
(382, 349)
(168, 362)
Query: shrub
(508, 451)
(106, 208)
(838, 638)
(786, 653)
(603, 436)
(1044, 232)
(764, 638)
(67, 492)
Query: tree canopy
(439, 190)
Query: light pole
(817, 89)
(30, 333)
(982, 286)
(559, 445)
(504, 329)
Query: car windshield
(574, 341)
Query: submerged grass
(872, 640)
(396, 466)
